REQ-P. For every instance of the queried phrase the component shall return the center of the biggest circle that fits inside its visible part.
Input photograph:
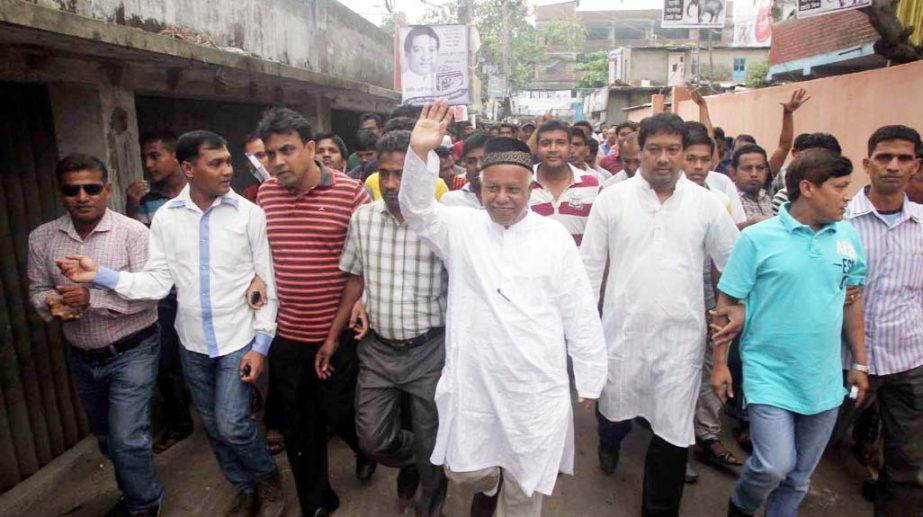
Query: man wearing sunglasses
(114, 343)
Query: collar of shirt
(862, 205)
(67, 226)
(682, 183)
(759, 197)
(577, 176)
(184, 200)
(384, 210)
(792, 225)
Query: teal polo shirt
(793, 282)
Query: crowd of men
(435, 297)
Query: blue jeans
(787, 447)
(222, 401)
(116, 395)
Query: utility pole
(506, 54)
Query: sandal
(713, 451)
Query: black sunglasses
(92, 189)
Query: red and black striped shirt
(307, 234)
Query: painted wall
(850, 107)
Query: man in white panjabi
(656, 230)
(519, 302)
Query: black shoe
(365, 467)
(869, 489)
(329, 508)
(119, 510)
(169, 439)
(483, 505)
(407, 482)
(734, 511)
(437, 501)
(245, 505)
(270, 497)
(608, 460)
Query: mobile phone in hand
(255, 297)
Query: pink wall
(850, 107)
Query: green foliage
(389, 22)
(756, 75)
(567, 35)
(525, 51)
(595, 68)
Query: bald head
(630, 154)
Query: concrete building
(90, 76)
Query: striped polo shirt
(307, 233)
(573, 205)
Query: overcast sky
(374, 10)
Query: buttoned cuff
(261, 343)
(106, 277)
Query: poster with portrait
(433, 60)
(817, 7)
(693, 14)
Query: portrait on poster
(433, 60)
(693, 14)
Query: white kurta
(654, 313)
(519, 302)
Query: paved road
(195, 485)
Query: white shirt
(211, 257)
(654, 312)
(461, 197)
(618, 177)
(519, 304)
(721, 183)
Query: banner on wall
(808, 8)
(433, 63)
(693, 14)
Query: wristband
(860, 368)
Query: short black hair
(629, 124)
(748, 149)
(583, 123)
(419, 30)
(510, 125)
(817, 166)
(80, 162)
(698, 135)
(366, 140)
(475, 141)
(553, 125)
(370, 116)
(406, 110)
(164, 136)
(400, 124)
(662, 123)
(191, 143)
(443, 152)
(581, 135)
(894, 132)
(745, 138)
(336, 140)
(719, 133)
(816, 141)
(593, 144)
(393, 142)
(251, 137)
(282, 121)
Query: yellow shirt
(371, 183)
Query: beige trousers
(513, 502)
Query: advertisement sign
(433, 62)
(753, 23)
(808, 8)
(693, 14)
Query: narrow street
(195, 486)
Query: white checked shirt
(405, 283)
(892, 298)
(211, 257)
(117, 242)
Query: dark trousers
(391, 378)
(899, 398)
(170, 382)
(735, 407)
(664, 467)
(309, 405)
